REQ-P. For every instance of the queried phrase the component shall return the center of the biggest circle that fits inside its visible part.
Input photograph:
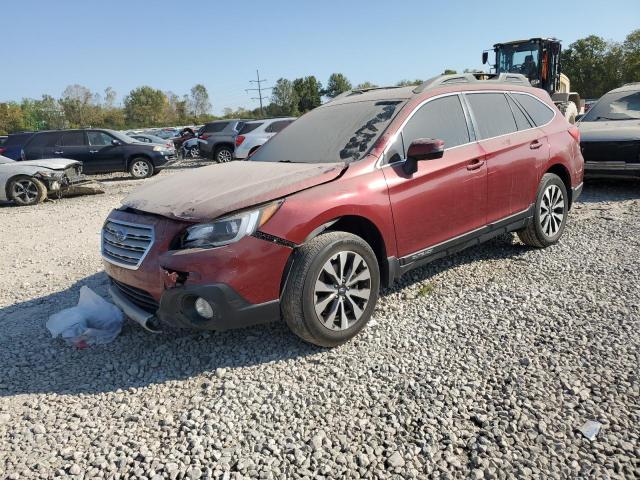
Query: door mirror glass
(115, 142)
(485, 57)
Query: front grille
(137, 296)
(126, 244)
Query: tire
(223, 154)
(316, 310)
(141, 168)
(24, 190)
(546, 229)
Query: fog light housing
(203, 308)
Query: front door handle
(94, 151)
(475, 164)
(58, 152)
(535, 145)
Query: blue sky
(124, 44)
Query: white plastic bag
(93, 321)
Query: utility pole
(259, 89)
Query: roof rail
(513, 78)
(359, 90)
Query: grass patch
(426, 289)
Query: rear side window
(43, 140)
(249, 127)
(537, 110)
(72, 139)
(442, 118)
(492, 114)
(275, 127)
(522, 121)
(215, 127)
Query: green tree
(336, 85)
(11, 119)
(365, 85)
(76, 103)
(200, 104)
(308, 91)
(284, 101)
(631, 57)
(408, 83)
(448, 71)
(42, 114)
(144, 107)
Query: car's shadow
(597, 190)
(32, 362)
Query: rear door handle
(535, 145)
(58, 152)
(93, 151)
(475, 164)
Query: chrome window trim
(381, 164)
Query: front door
(445, 197)
(105, 155)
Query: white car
(255, 133)
(29, 182)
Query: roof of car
(273, 119)
(627, 87)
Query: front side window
(342, 132)
(442, 118)
(99, 139)
(538, 111)
(615, 106)
(73, 139)
(492, 114)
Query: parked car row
(345, 199)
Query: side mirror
(115, 142)
(422, 149)
(485, 57)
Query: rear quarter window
(17, 139)
(275, 127)
(42, 140)
(539, 112)
(215, 127)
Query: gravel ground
(482, 365)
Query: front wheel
(25, 190)
(550, 216)
(332, 289)
(141, 168)
(223, 155)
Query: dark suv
(347, 198)
(100, 151)
(12, 146)
(218, 139)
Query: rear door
(445, 197)
(513, 148)
(73, 144)
(104, 156)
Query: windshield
(615, 106)
(121, 136)
(519, 58)
(331, 133)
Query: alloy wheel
(140, 169)
(552, 210)
(224, 156)
(25, 190)
(342, 290)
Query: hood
(614, 131)
(50, 163)
(208, 192)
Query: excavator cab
(538, 59)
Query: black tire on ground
(550, 215)
(141, 167)
(308, 289)
(25, 190)
(223, 154)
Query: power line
(259, 89)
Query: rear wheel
(223, 154)
(25, 190)
(550, 216)
(141, 168)
(332, 289)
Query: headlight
(160, 148)
(228, 229)
(49, 174)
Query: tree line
(593, 64)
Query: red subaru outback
(346, 199)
